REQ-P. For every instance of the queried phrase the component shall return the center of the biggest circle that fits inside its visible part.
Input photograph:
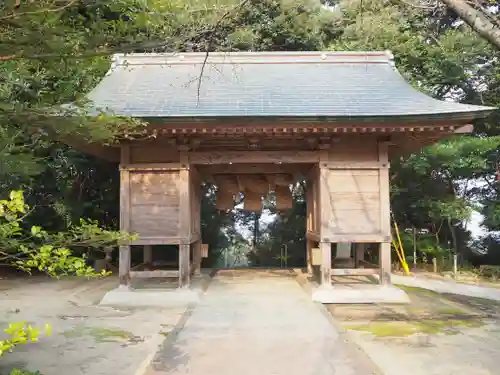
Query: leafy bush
(20, 333)
(35, 249)
(17, 371)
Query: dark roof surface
(266, 84)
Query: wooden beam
(252, 157)
(148, 255)
(166, 240)
(385, 262)
(466, 129)
(309, 255)
(154, 274)
(184, 265)
(196, 265)
(355, 165)
(359, 253)
(313, 236)
(325, 204)
(124, 249)
(357, 237)
(185, 203)
(153, 167)
(384, 190)
(326, 264)
(367, 264)
(211, 170)
(124, 265)
(354, 271)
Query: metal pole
(455, 266)
(414, 249)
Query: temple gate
(332, 118)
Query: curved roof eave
(339, 86)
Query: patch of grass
(101, 334)
(163, 333)
(417, 290)
(452, 311)
(404, 328)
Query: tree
(478, 17)
(448, 60)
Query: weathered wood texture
(153, 152)
(154, 203)
(354, 271)
(124, 260)
(312, 205)
(195, 202)
(252, 157)
(326, 264)
(154, 274)
(351, 203)
(354, 200)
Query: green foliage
(17, 371)
(20, 333)
(435, 190)
(37, 249)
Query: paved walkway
(448, 286)
(258, 325)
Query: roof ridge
(271, 57)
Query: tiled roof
(263, 84)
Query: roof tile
(292, 84)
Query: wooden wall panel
(153, 152)
(154, 203)
(354, 150)
(351, 202)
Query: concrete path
(448, 286)
(249, 324)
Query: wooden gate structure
(333, 118)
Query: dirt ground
(86, 338)
(462, 277)
(436, 334)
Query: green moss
(163, 333)
(403, 329)
(101, 334)
(417, 290)
(452, 311)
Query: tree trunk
(255, 229)
(476, 20)
(453, 236)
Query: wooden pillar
(124, 256)
(385, 214)
(385, 262)
(197, 258)
(184, 265)
(326, 264)
(124, 266)
(309, 247)
(359, 253)
(184, 221)
(148, 256)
